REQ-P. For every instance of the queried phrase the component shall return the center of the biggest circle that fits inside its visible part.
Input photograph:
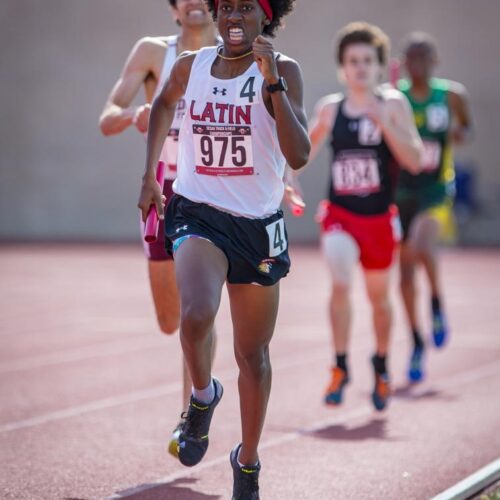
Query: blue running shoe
(439, 329)
(382, 389)
(334, 391)
(416, 370)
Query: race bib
(356, 173)
(223, 150)
(369, 134)
(172, 146)
(432, 156)
(277, 238)
(437, 117)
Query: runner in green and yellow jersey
(442, 115)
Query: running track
(90, 390)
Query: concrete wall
(59, 179)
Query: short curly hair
(280, 9)
(361, 32)
(420, 39)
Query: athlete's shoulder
(456, 88)
(185, 60)
(394, 98)
(404, 85)
(287, 66)
(396, 101)
(390, 94)
(326, 108)
(439, 84)
(151, 44)
(329, 101)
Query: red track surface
(90, 390)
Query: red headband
(265, 4)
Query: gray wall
(59, 179)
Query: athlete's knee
(340, 290)
(381, 303)
(406, 271)
(197, 319)
(378, 292)
(341, 253)
(406, 277)
(254, 363)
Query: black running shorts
(256, 249)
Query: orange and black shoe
(339, 379)
(382, 390)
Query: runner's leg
(254, 310)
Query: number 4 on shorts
(277, 238)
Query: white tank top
(229, 154)
(169, 151)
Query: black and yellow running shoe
(245, 478)
(174, 440)
(192, 441)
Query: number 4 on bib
(277, 238)
(247, 90)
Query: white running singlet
(169, 151)
(229, 154)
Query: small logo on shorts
(181, 228)
(266, 265)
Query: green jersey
(433, 120)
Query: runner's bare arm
(118, 114)
(290, 116)
(162, 115)
(287, 107)
(321, 124)
(395, 118)
(463, 127)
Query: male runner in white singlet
(149, 65)
(244, 120)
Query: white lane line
(114, 348)
(450, 382)
(472, 484)
(158, 391)
(100, 404)
(284, 438)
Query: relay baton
(152, 222)
(294, 201)
(293, 194)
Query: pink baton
(152, 221)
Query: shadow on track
(180, 489)
(415, 392)
(375, 428)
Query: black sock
(436, 305)
(342, 361)
(379, 364)
(417, 339)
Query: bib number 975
(223, 150)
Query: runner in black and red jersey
(369, 128)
